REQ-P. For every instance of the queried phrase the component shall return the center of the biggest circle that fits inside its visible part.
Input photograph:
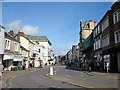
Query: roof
(2, 27)
(40, 38)
(8, 36)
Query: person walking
(107, 66)
(24, 66)
(30, 66)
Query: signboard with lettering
(1, 41)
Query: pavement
(80, 82)
(83, 83)
(97, 73)
(102, 74)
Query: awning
(6, 57)
(17, 58)
(50, 60)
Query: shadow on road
(73, 68)
(52, 88)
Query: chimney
(11, 32)
(20, 34)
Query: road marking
(57, 69)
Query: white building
(12, 56)
(44, 50)
(1, 47)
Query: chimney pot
(11, 32)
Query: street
(37, 79)
(64, 78)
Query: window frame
(7, 44)
(118, 31)
(116, 18)
(15, 46)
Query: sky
(59, 21)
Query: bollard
(51, 70)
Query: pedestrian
(107, 66)
(90, 67)
(30, 66)
(24, 66)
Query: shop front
(17, 63)
(118, 59)
(97, 61)
(17, 60)
(7, 62)
(106, 59)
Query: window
(105, 41)
(105, 23)
(39, 50)
(94, 46)
(119, 15)
(7, 44)
(16, 46)
(117, 36)
(116, 16)
(94, 33)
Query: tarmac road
(37, 79)
(64, 78)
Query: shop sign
(8, 57)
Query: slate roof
(8, 36)
(40, 38)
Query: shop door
(118, 58)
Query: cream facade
(25, 43)
(44, 49)
(46, 52)
(86, 29)
(12, 54)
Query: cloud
(60, 50)
(27, 29)
(14, 25)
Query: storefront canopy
(6, 57)
(17, 58)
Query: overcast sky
(59, 21)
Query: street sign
(1, 41)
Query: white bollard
(51, 70)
